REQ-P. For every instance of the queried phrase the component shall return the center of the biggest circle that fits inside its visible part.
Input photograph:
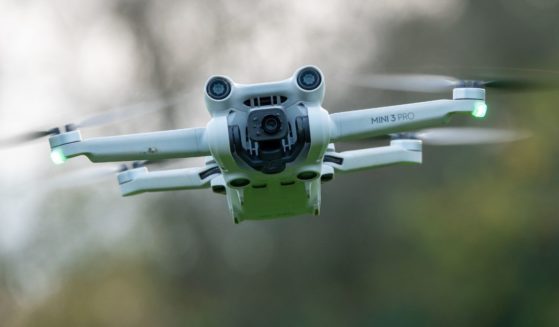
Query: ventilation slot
(265, 101)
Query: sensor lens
(218, 88)
(271, 124)
(307, 175)
(239, 182)
(309, 79)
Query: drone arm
(139, 180)
(398, 152)
(180, 143)
(365, 123)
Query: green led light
(57, 156)
(480, 110)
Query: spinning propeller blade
(93, 175)
(469, 135)
(512, 80)
(82, 177)
(406, 82)
(129, 111)
(27, 137)
(104, 118)
(464, 136)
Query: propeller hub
(131, 174)
(408, 144)
(65, 138)
(468, 93)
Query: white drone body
(270, 146)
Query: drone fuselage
(269, 146)
(269, 141)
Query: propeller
(406, 82)
(100, 119)
(531, 80)
(129, 111)
(28, 137)
(82, 177)
(462, 136)
(93, 175)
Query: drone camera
(267, 124)
(218, 88)
(271, 124)
(309, 78)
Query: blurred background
(471, 237)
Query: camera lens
(271, 124)
(309, 79)
(267, 124)
(218, 88)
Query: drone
(269, 147)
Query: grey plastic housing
(294, 191)
(139, 180)
(252, 193)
